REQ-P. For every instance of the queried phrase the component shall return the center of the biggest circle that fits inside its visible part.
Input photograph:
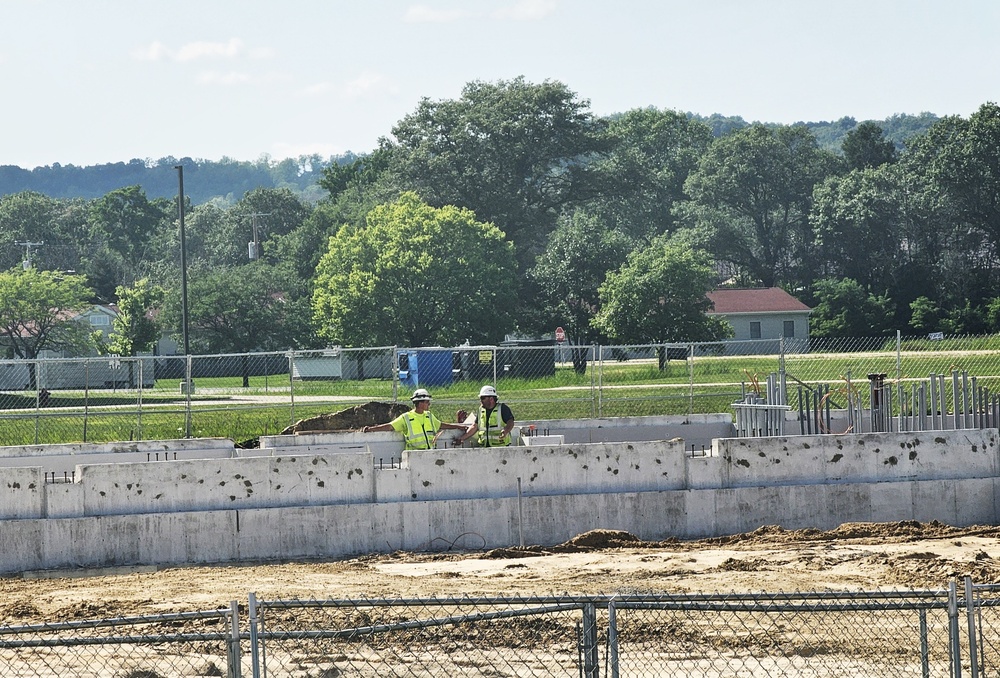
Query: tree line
(514, 208)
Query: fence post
(588, 642)
(970, 613)
(954, 641)
(594, 366)
(255, 654)
(690, 362)
(612, 640)
(187, 390)
(899, 355)
(138, 414)
(925, 653)
(291, 387)
(233, 658)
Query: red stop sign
(560, 334)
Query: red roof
(759, 300)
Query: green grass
(222, 407)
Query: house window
(754, 329)
(98, 320)
(789, 330)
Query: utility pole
(26, 264)
(184, 272)
(253, 247)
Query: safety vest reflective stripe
(418, 438)
(490, 428)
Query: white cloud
(194, 51)
(202, 50)
(217, 78)
(155, 51)
(422, 14)
(367, 84)
(526, 10)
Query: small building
(761, 314)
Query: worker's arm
(470, 430)
(508, 420)
(457, 427)
(380, 427)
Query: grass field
(223, 407)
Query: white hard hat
(420, 394)
(487, 391)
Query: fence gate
(426, 637)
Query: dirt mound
(351, 419)
(599, 539)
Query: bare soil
(854, 557)
(351, 419)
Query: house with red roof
(763, 313)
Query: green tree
(859, 222)
(925, 316)
(415, 275)
(967, 167)
(510, 151)
(659, 296)
(241, 310)
(865, 147)
(133, 330)
(569, 273)
(845, 309)
(750, 201)
(642, 176)
(38, 310)
(129, 227)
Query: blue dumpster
(425, 367)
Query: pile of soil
(351, 419)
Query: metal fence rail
(884, 383)
(927, 633)
(180, 644)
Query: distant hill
(203, 179)
(830, 135)
(229, 180)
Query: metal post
(970, 613)
(612, 640)
(138, 414)
(588, 642)
(954, 642)
(291, 387)
(520, 515)
(184, 284)
(255, 646)
(233, 653)
(925, 659)
(187, 407)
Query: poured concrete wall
(337, 503)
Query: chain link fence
(244, 396)
(927, 633)
(181, 644)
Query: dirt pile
(351, 419)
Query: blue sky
(93, 81)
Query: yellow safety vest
(417, 435)
(490, 428)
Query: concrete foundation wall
(348, 529)
(315, 504)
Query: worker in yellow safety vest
(420, 428)
(493, 423)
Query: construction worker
(493, 424)
(419, 426)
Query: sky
(87, 82)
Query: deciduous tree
(415, 275)
(659, 296)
